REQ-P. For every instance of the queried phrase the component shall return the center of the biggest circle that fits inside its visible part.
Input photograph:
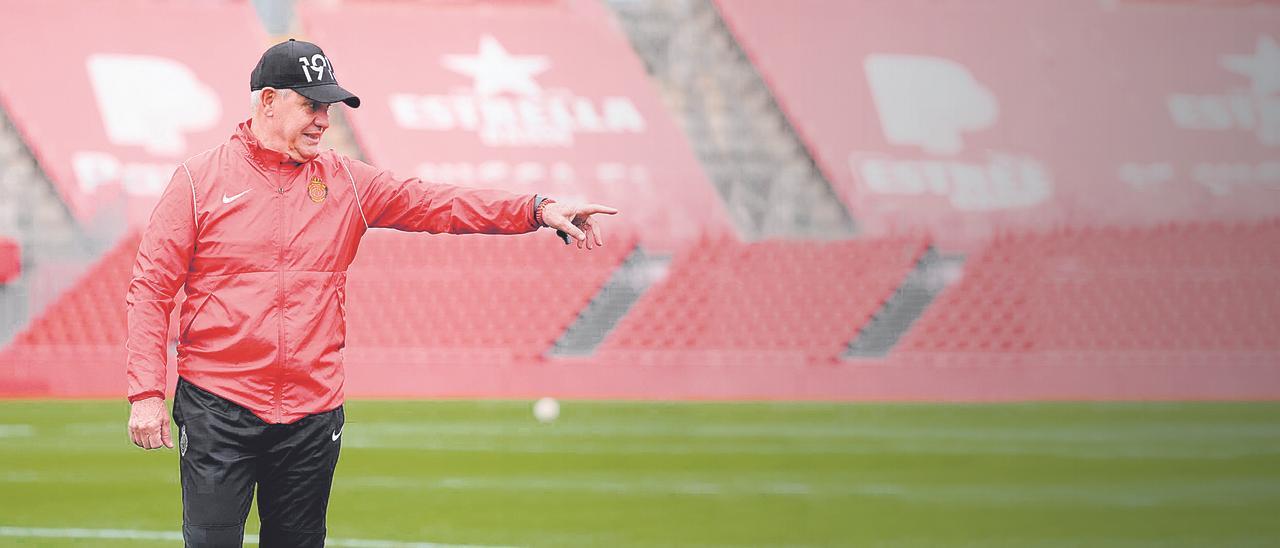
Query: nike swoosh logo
(227, 200)
(337, 434)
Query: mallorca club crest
(316, 190)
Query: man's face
(301, 122)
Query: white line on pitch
(16, 430)
(134, 534)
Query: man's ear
(269, 96)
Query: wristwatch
(540, 202)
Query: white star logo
(1263, 67)
(496, 71)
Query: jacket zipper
(282, 352)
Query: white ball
(546, 410)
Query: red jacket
(262, 245)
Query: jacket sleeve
(418, 206)
(164, 257)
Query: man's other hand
(149, 424)
(575, 220)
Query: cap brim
(329, 93)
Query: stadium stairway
(771, 185)
(908, 302)
(611, 304)
(56, 250)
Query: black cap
(301, 67)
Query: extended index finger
(591, 209)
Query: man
(260, 231)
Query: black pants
(226, 450)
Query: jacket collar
(261, 156)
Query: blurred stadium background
(1015, 214)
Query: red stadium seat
(465, 296)
(802, 298)
(516, 293)
(92, 311)
(1179, 287)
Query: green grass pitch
(707, 474)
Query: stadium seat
(801, 299)
(463, 296)
(92, 311)
(1170, 288)
(516, 293)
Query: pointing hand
(575, 220)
